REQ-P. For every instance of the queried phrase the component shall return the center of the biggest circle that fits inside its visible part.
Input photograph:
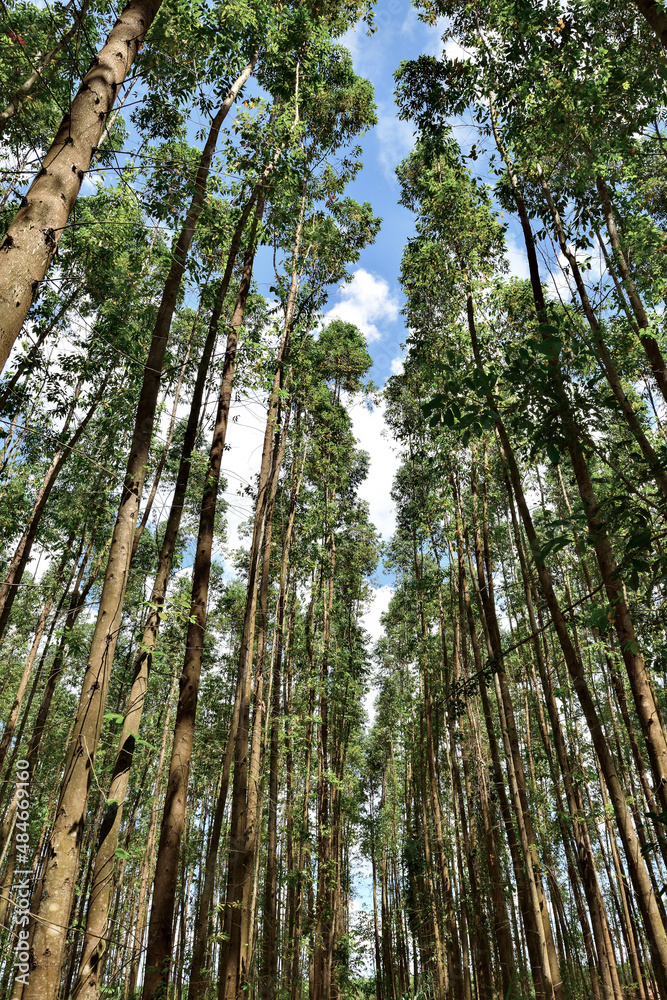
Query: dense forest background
(223, 773)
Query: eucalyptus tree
(491, 390)
(334, 552)
(76, 782)
(510, 795)
(324, 235)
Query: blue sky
(373, 299)
(399, 35)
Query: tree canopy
(214, 781)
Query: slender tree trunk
(269, 980)
(146, 862)
(60, 874)
(150, 499)
(22, 553)
(44, 61)
(441, 971)
(379, 962)
(241, 924)
(88, 981)
(550, 970)
(12, 718)
(501, 919)
(158, 957)
(452, 947)
(303, 857)
(33, 235)
(234, 957)
(198, 970)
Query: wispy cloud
(395, 140)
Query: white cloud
(371, 622)
(395, 140)
(433, 43)
(591, 265)
(453, 50)
(561, 278)
(241, 462)
(365, 301)
(410, 24)
(380, 603)
(351, 40)
(240, 465)
(397, 365)
(368, 426)
(517, 259)
(90, 182)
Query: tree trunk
(60, 875)
(158, 958)
(88, 980)
(21, 557)
(234, 957)
(269, 980)
(246, 818)
(144, 876)
(12, 718)
(32, 237)
(502, 931)
(655, 15)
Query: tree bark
(21, 557)
(32, 237)
(158, 958)
(65, 844)
(234, 959)
(146, 861)
(269, 980)
(88, 980)
(655, 14)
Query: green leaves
(550, 346)
(471, 419)
(551, 547)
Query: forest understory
(195, 802)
